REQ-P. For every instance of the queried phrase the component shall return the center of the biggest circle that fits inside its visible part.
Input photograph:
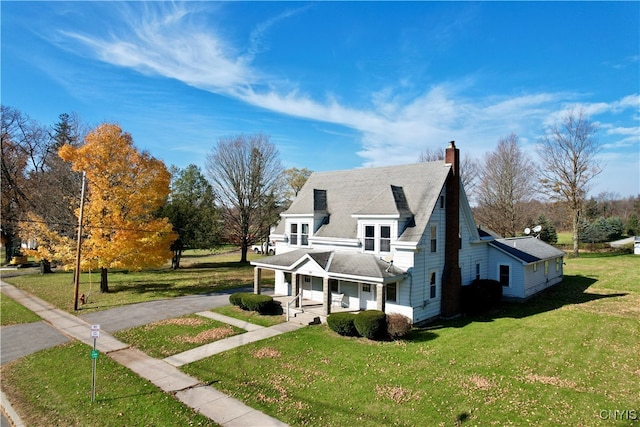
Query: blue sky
(336, 85)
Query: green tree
(633, 225)
(548, 233)
(192, 211)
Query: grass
(12, 313)
(172, 336)
(200, 273)
(559, 359)
(53, 388)
(250, 316)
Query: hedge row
(263, 304)
(371, 324)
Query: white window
(369, 238)
(377, 238)
(385, 238)
(432, 285)
(299, 234)
(558, 264)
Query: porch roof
(336, 264)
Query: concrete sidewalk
(217, 406)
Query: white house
(401, 239)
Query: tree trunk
(576, 224)
(175, 261)
(244, 247)
(45, 266)
(104, 283)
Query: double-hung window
(369, 238)
(299, 234)
(377, 238)
(293, 235)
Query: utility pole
(76, 273)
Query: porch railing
(299, 296)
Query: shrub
(481, 295)
(398, 325)
(236, 298)
(342, 323)
(371, 324)
(256, 302)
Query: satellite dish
(527, 231)
(537, 229)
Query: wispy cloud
(394, 125)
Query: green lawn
(202, 272)
(53, 388)
(12, 313)
(172, 336)
(250, 316)
(558, 360)
(566, 357)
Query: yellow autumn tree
(51, 246)
(125, 188)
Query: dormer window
(377, 238)
(299, 234)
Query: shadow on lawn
(571, 291)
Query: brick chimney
(451, 277)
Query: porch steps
(305, 318)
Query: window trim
(433, 284)
(374, 243)
(395, 292)
(433, 234)
(297, 237)
(500, 265)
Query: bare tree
(469, 168)
(568, 153)
(505, 185)
(244, 171)
(293, 181)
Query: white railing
(299, 296)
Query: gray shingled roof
(370, 191)
(527, 249)
(335, 263)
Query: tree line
(139, 213)
(506, 186)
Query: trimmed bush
(342, 323)
(371, 324)
(397, 325)
(236, 298)
(481, 295)
(256, 302)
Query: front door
(366, 296)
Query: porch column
(257, 277)
(294, 289)
(380, 299)
(326, 296)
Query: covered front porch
(325, 281)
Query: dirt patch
(554, 381)
(206, 336)
(181, 321)
(396, 394)
(266, 353)
(479, 382)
